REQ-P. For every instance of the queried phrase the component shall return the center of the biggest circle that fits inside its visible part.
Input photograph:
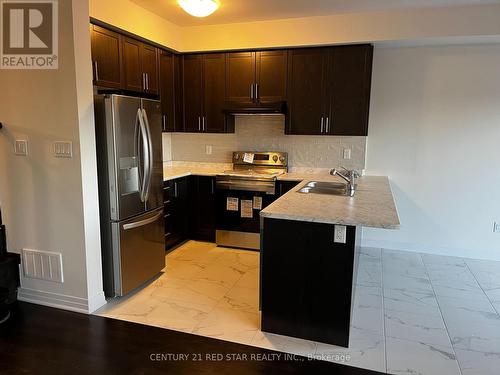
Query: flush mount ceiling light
(199, 8)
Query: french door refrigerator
(130, 175)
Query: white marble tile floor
(413, 313)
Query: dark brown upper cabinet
(214, 73)
(307, 88)
(204, 93)
(193, 92)
(350, 90)
(329, 90)
(140, 66)
(106, 57)
(256, 76)
(170, 92)
(150, 68)
(270, 75)
(240, 77)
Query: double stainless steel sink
(328, 188)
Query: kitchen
(280, 193)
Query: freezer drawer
(139, 250)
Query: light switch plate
(340, 234)
(63, 149)
(21, 147)
(208, 149)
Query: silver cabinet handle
(143, 81)
(164, 122)
(142, 223)
(199, 123)
(147, 81)
(251, 91)
(96, 71)
(256, 91)
(213, 186)
(327, 128)
(204, 125)
(175, 190)
(322, 124)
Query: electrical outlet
(496, 227)
(21, 147)
(340, 234)
(347, 153)
(208, 149)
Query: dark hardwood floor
(42, 340)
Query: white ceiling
(232, 11)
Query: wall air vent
(43, 265)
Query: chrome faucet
(349, 176)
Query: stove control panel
(279, 159)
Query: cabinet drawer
(168, 220)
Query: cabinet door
(202, 194)
(106, 57)
(350, 90)
(178, 93)
(193, 92)
(180, 209)
(214, 85)
(132, 53)
(307, 90)
(149, 60)
(240, 77)
(167, 91)
(168, 211)
(271, 69)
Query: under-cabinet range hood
(271, 108)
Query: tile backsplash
(266, 133)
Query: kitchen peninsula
(310, 245)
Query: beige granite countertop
(171, 172)
(372, 205)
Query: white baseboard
(431, 249)
(96, 302)
(61, 301)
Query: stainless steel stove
(242, 193)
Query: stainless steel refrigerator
(130, 174)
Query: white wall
(435, 130)
(49, 203)
(90, 197)
(446, 23)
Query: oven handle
(250, 186)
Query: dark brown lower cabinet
(176, 211)
(307, 280)
(202, 208)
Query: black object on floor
(9, 273)
(3, 238)
(4, 308)
(40, 339)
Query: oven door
(233, 213)
(238, 217)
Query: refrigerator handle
(145, 147)
(150, 154)
(142, 223)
